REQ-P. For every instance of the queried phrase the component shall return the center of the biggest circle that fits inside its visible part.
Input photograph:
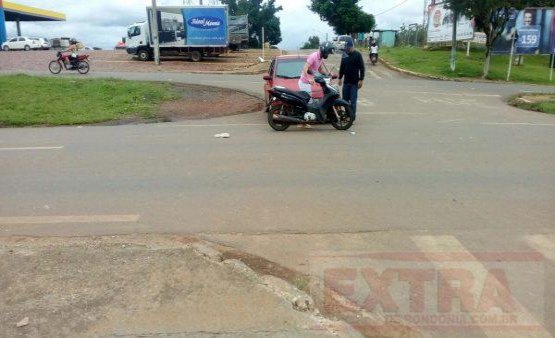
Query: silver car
(44, 43)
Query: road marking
(365, 102)
(542, 244)
(451, 94)
(374, 74)
(69, 219)
(451, 121)
(518, 124)
(390, 113)
(213, 125)
(450, 247)
(31, 148)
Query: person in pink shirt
(314, 64)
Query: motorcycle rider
(315, 64)
(374, 50)
(73, 49)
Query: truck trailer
(189, 31)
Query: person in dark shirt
(352, 68)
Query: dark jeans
(350, 94)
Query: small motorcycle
(287, 107)
(81, 64)
(373, 58)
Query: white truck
(190, 31)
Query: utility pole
(454, 42)
(424, 17)
(263, 44)
(154, 30)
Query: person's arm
(362, 71)
(306, 73)
(324, 70)
(341, 72)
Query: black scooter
(374, 58)
(287, 107)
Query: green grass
(33, 101)
(436, 62)
(544, 103)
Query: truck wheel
(196, 57)
(144, 55)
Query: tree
(345, 16)
(491, 17)
(232, 5)
(261, 14)
(313, 43)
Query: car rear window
(290, 69)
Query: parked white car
(341, 41)
(20, 43)
(44, 43)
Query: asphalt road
(430, 165)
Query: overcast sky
(102, 23)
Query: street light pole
(154, 30)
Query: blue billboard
(533, 30)
(206, 26)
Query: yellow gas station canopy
(17, 12)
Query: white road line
(385, 74)
(445, 252)
(451, 121)
(518, 124)
(452, 94)
(212, 125)
(390, 113)
(69, 219)
(31, 148)
(374, 74)
(542, 244)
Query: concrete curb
(299, 300)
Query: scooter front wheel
(55, 67)
(345, 114)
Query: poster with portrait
(533, 30)
(440, 25)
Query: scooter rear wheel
(346, 119)
(274, 124)
(55, 67)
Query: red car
(285, 71)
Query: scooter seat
(304, 96)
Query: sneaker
(304, 126)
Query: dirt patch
(537, 98)
(543, 103)
(201, 102)
(134, 286)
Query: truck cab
(137, 42)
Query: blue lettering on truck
(205, 23)
(206, 26)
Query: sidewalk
(139, 286)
